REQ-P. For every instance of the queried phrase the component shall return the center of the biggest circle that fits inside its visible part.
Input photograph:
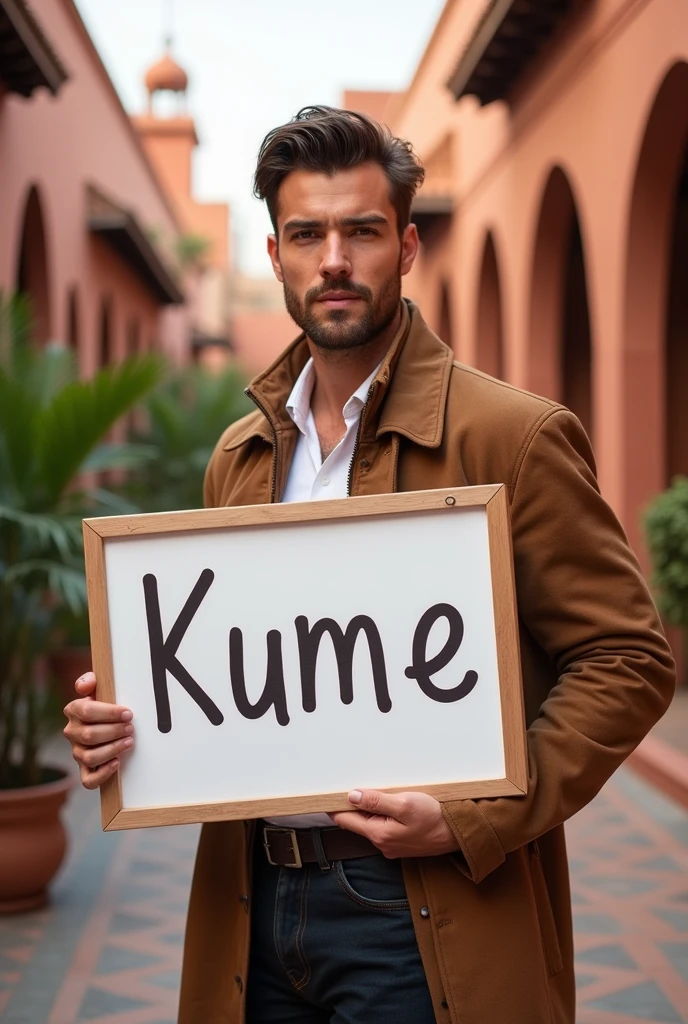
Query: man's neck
(339, 374)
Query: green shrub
(666, 530)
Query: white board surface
(392, 568)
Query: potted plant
(666, 530)
(52, 431)
(184, 419)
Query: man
(408, 909)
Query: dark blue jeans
(334, 947)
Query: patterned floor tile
(108, 951)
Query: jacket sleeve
(583, 599)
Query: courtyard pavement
(108, 948)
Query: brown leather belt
(293, 847)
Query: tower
(167, 131)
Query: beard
(343, 329)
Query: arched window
(655, 336)
(445, 318)
(32, 265)
(72, 332)
(490, 341)
(105, 333)
(560, 354)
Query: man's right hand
(98, 732)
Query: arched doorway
(105, 333)
(560, 353)
(654, 425)
(676, 369)
(489, 331)
(445, 317)
(576, 355)
(72, 335)
(32, 265)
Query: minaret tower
(167, 131)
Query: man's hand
(98, 732)
(399, 824)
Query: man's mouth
(338, 300)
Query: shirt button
(424, 912)
(325, 481)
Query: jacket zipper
(356, 442)
(273, 480)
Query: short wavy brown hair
(327, 139)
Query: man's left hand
(399, 824)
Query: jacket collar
(409, 390)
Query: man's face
(339, 255)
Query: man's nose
(335, 260)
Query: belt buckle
(297, 862)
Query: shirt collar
(299, 401)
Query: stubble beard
(341, 330)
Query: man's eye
(305, 235)
(365, 231)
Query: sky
(252, 64)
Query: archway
(560, 356)
(489, 332)
(32, 265)
(72, 335)
(654, 424)
(105, 333)
(576, 355)
(676, 369)
(445, 316)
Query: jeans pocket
(373, 882)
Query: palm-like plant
(52, 431)
(184, 419)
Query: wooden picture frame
(436, 506)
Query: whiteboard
(384, 662)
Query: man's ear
(273, 253)
(409, 248)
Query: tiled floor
(108, 949)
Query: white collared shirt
(310, 478)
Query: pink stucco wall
(589, 105)
(60, 145)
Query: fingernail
(355, 796)
(128, 729)
(128, 743)
(113, 765)
(126, 716)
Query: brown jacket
(597, 673)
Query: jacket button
(364, 463)
(244, 899)
(424, 912)
(240, 984)
(444, 1004)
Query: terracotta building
(554, 217)
(89, 226)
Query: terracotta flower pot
(33, 841)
